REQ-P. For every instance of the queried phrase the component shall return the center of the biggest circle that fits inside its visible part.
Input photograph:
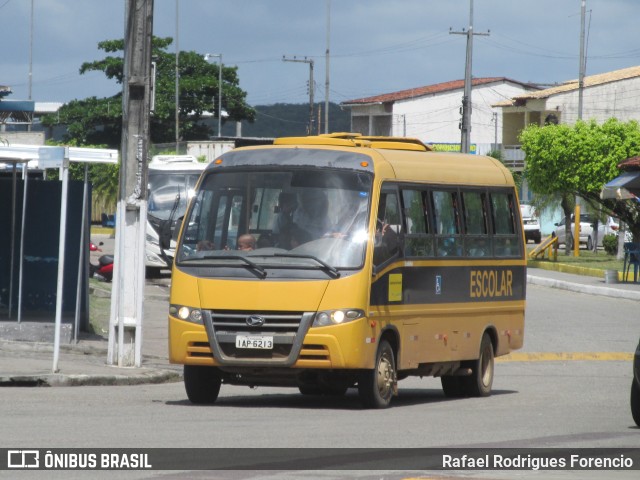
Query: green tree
(99, 120)
(568, 161)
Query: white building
(606, 95)
(433, 113)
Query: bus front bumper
(335, 347)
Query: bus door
(388, 291)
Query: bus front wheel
(202, 384)
(377, 386)
(479, 383)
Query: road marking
(567, 356)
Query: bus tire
(479, 383)
(202, 384)
(452, 386)
(377, 386)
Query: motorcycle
(104, 270)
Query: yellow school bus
(336, 261)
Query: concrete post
(125, 326)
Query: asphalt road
(539, 403)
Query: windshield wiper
(258, 270)
(330, 269)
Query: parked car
(635, 387)
(531, 223)
(587, 232)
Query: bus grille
(279, 322)
(287, 329)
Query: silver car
(587, 232)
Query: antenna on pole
(465, 124)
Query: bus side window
(447, 226)
(388, 228)
(418, 242)
(477, 242)
(505, 241)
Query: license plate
(254, 341)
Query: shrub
(610, 244)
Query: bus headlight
(336, 317)
(188, 314)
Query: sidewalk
(25, 363)
(583, 284)
(30, 364)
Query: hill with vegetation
(288, 119)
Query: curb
(78, 380)
(581, 288)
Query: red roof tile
(428, 90)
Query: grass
(586, 263)
(589, 259)
(97, 229)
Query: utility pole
(583, 62)
(125, 325)
(177, 99)
(327, 76)
(465, 125)
(581, 71)
(310, 62)
(207, 56)
(495, 131)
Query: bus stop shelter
(50, 157)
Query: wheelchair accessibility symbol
(438, 284)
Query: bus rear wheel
(377, 386)
(479, 383)
(202, 384)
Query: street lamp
(207, 56)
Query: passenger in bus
(204, 245)
(246, 242)
(287, 204)
(386, 243)
(312, 213)
(287, 232)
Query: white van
(531, 223)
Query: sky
(375, 46)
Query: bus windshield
(170, 191)
(304, 219)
